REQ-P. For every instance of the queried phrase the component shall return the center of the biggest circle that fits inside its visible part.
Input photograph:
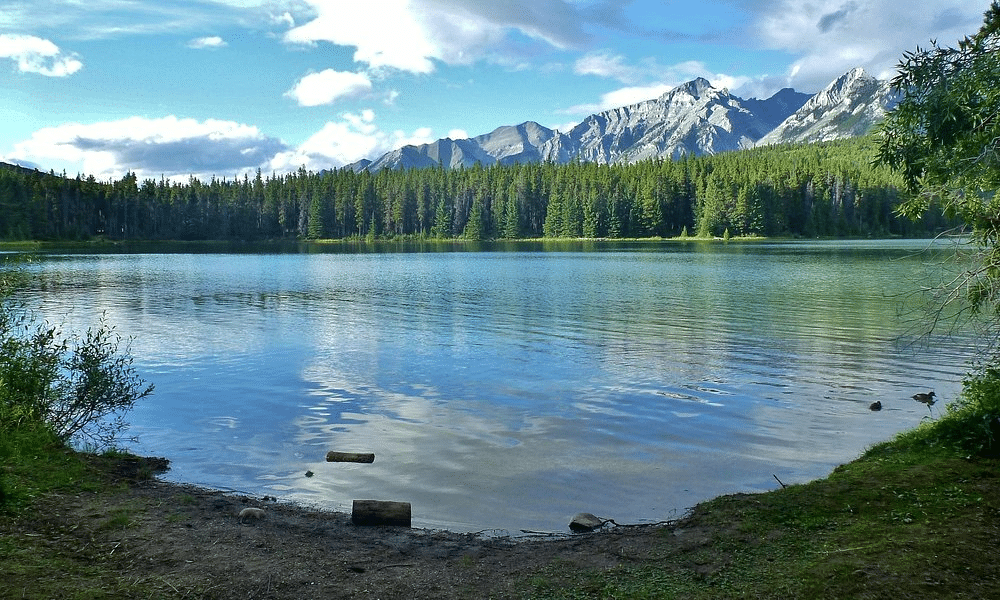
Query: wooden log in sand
(380, 512)
(356, 457)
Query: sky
(221, 88)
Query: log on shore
(356, 457)
(381, 512)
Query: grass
(911, 518)
(915, 517)
(883, 526)
(33, 569)
(35, 467)
(34, 462)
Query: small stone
(251, 514)
(583, 522)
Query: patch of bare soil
(189, 542)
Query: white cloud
(391, 36)
(830, 37)
(168, 146)
(564, 127)
(421, 135)
(604, 63)
(621, 97)
(328, 86)
(181, 147)
(354, 137)
(390, 97)
(37, 55)
(285, 19)
(103, 19)
(207, 43)
(410, 35)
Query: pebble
(251, 514)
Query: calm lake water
(510, 389)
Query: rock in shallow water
(585, 522)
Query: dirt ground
(189, 542)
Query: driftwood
(379, 512)
(356, 457)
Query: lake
(509, 387)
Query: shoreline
(893, 523)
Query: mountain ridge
(693, 118)
(848, 107)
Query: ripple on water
(512, 390)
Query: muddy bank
(190, 542)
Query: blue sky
(180, 88)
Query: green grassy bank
(914, 517)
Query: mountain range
(692, 119)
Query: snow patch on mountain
(848, 107)
(692, 119)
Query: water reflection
(514, 389)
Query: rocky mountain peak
(695, 88)
(850, 106)
(693, 118)
(848, 85)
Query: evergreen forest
(829, 189)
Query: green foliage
(969, 428)
(972, 423)
(828, 189)
(96, 386)
(896, 523)
(944, 137)
(36, 461)
(77, 386)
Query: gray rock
(848, 107)
(585, 522)
(694, 118)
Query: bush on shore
(77, 386)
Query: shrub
(972, 423)
(80, 386)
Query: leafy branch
(80, 386)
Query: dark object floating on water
(927, 398)
(356, 457)
(877, 405)
(309, 473)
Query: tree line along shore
(832, 189)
